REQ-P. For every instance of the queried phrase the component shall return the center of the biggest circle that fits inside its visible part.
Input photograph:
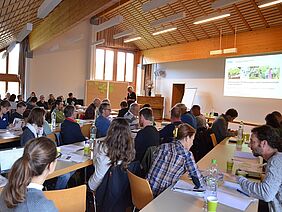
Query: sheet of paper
(70, 148)
(73, 157)
(247, 155)
(3, 181)
(186, 188)
(231, 185)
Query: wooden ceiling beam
(260, 13)
(68, 14)
(248, 43)
(242, 17)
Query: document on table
(247, 155)
(187, 188)
(70, 148)
(73, 157)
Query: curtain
(24, 50)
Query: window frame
(6, 77)
(116, 50)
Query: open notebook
(8, 157)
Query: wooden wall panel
(256, 42)
(63, 18)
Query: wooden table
(8, 136)
(175, 201)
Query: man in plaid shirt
(174, 159)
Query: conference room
(217, 54)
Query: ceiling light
(132, 39)
(4, 55)
(169, 29)
(211, 17)
(154, 4)
(46, 7)
(223, 3)
(168, 19)
(24, 32)
(230, 50)
(267, 3)
(11, 46)
(98, 42)
(124, 34)
(110, 23)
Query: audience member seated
(97, 103)
(4, 116)
(21, 107)
(111, 157)
(90, 112)
(123, 109)
(58, 108)
(71, 100)
(32, 103)
(13, 103)
(102, 122)
(174, 159)
(187, 116)
(200, 118)
(20, 98)
(7, 96)
(42, 102)
(23, 191)
(278, 116)
(265, 142)
(106, 101)
(51, 100)
(167, 133)
(146, 137)
(70, 130)
(34, 125)
(62, 99)
(32, 94)
(131, 116)
(272, 121)
(220, 125)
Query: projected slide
(256, 76)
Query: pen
(242, 192)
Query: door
(177, 93)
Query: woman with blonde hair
(23, 191)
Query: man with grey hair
(132, 116)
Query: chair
(85, 129)
(52, 136)
(141, 192)
(213, 138)
(68, 200)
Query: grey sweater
(270, 189)
(35, 202)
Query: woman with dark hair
(4, 116)
(90, 112)
(34, 125)
(23, 191)
(174, 159)
(116, 149)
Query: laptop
(8, 158)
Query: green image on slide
(264, 72)
(254, 72)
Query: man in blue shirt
(4, 117)
(102, 122)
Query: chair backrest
(52, 136)
(85, 129)
(213, 138)
(141, 192)
(68, 200)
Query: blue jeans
(62, 181)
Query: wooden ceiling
(14, 14)
(245, 16)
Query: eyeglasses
(59, 154)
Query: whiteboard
(188, 97)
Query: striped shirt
(171, 161)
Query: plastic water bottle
(212, 180)
(93, 132)
(241, 130)
(53, 120)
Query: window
(9, 70)
(114, 65)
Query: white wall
(208, 76)
(62, 65)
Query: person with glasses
(23, 191)
(102, 123)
